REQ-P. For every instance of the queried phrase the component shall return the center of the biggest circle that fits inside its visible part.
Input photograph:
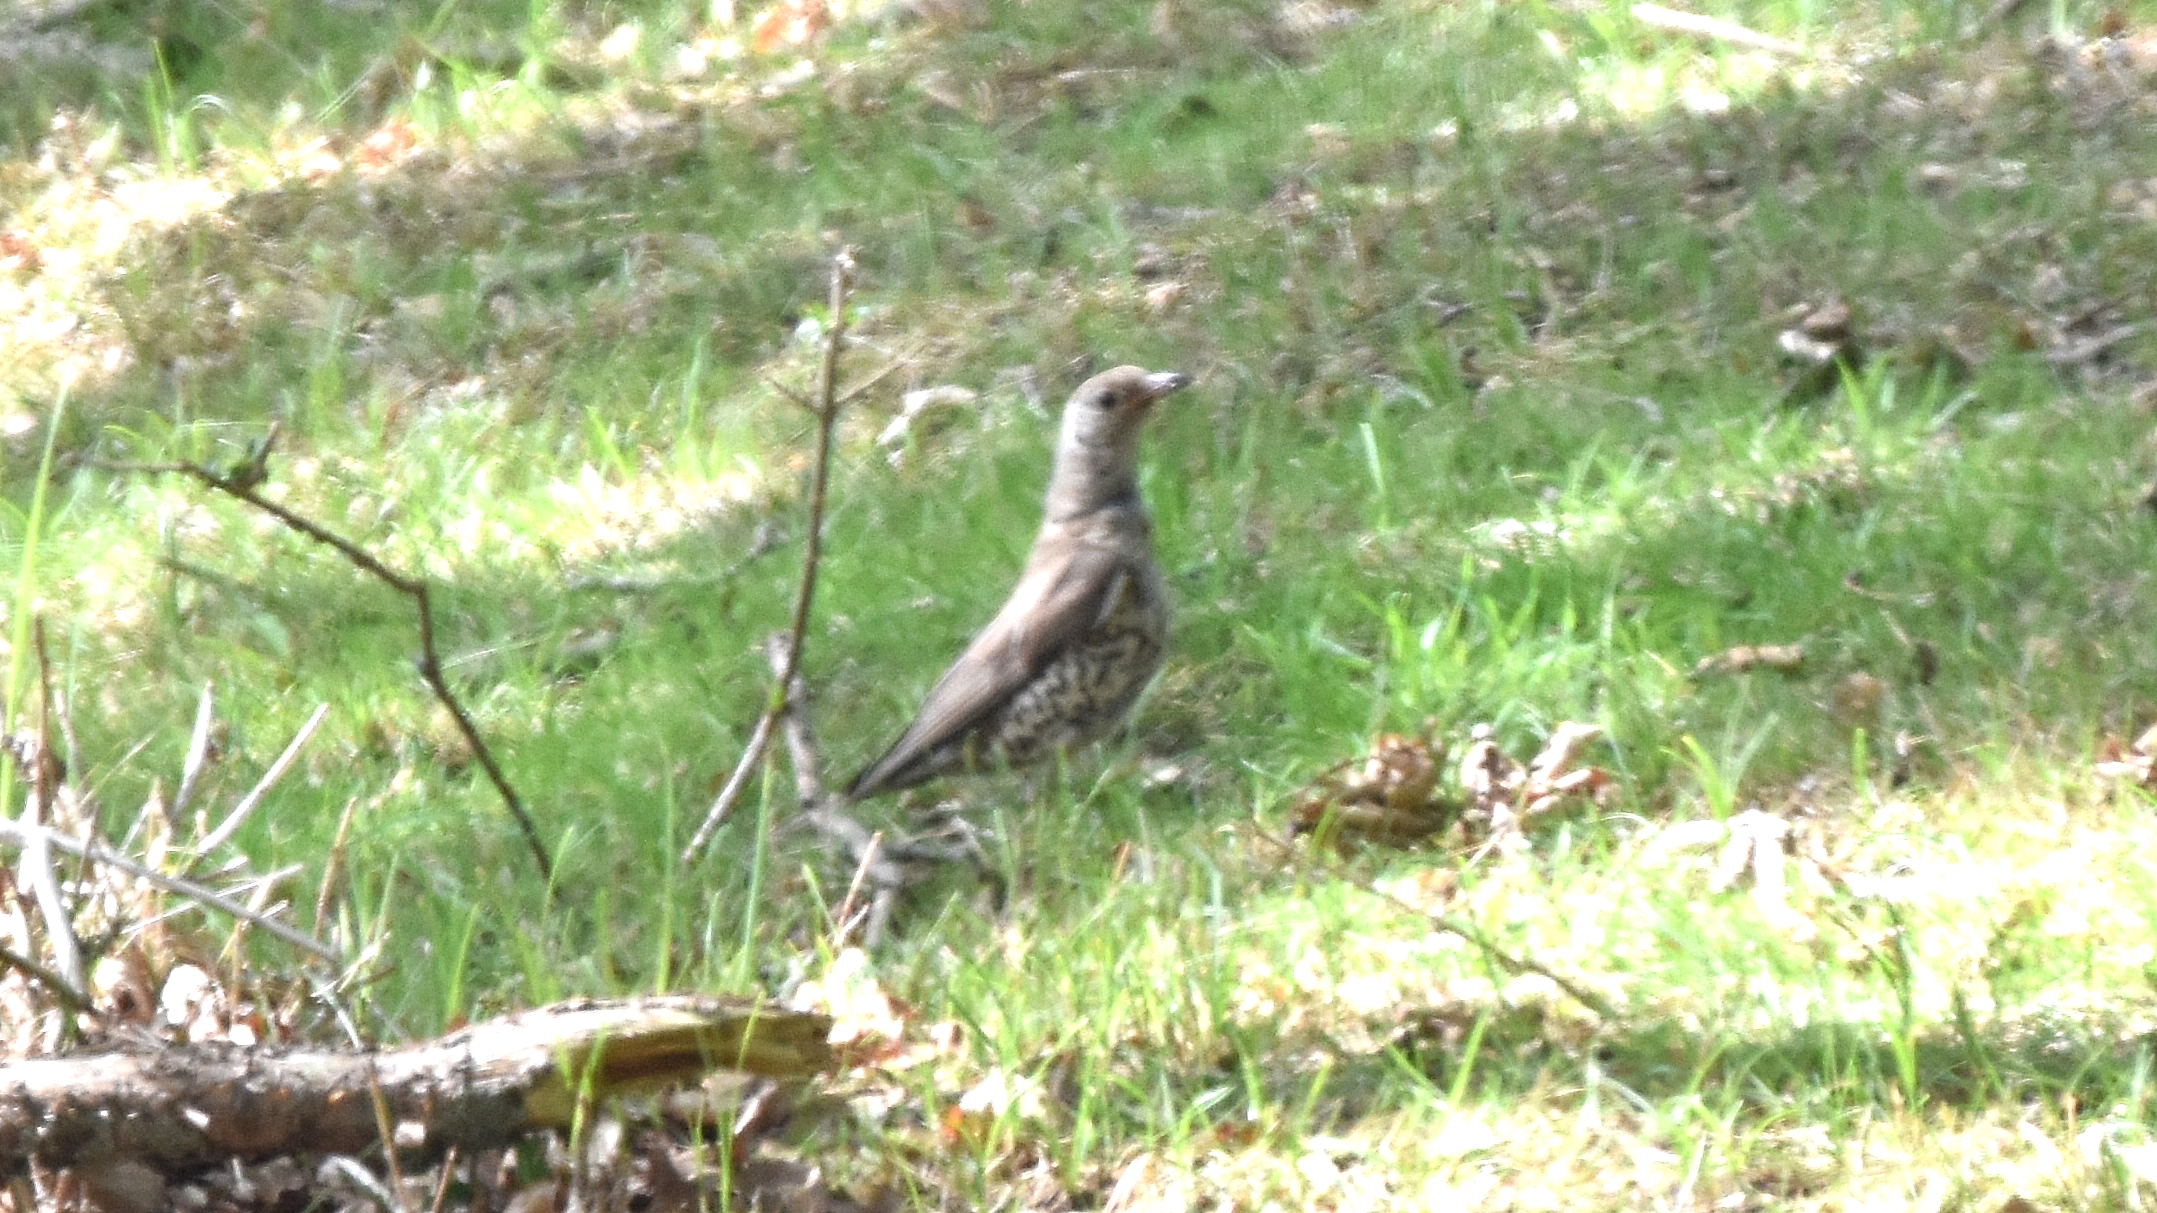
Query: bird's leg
(1044, 782)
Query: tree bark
(182, 1108)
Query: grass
(1490, 426)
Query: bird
(1084, 630)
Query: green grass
(1490, 426)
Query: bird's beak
(1161, 383)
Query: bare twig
(2088, 349)
(388, 1137)
(241, 482)
(70, 999)
(1454, 925)
(23, 834)
(198, 753)
(827, 419)
(843, 920)
(857, 391)
(333, 870)
(878, 861)
(448, 1172)
(232, 822)
(45, 775)
(59, 928)
(260, 890)
(790, 393)
(801, 751)
(55, 708)
(357, 1174)
(1712, 27)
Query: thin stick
(46, 776)
(441, 1183)
(56, 709)
(22, 834)
(827, 418)
(241, 483)
(1712, 27)
(388, 1133)
(843, 920)
(366, 1181)
(759, 741)
(223, 833)
(1461, 927)
(198, 753)
(877, 861)
(70, 999)
(801, 749)
(333, 871)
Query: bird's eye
(1104, 399)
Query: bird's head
(1097, 448)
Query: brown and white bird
(1066, 657)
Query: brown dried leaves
(1392, 796)
(2134, 762)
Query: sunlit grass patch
(1494, 424)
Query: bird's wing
(1055, 602)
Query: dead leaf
(1550, 764)
(974, 216)
(1856, 698)
(1927, 660)
(1743, 658)
(1822, 345)
(1392, 796)
(866, 1022)
(2135, 761)
(1829, 322)
(1152, 263)
(1389, 797)
(922, 405)
(17, 250)
(1487, 774)
(389, 143)
(317, 160)
(120, 986)
(1753, 846)
(1552, 778)
(789, 23)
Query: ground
(1777, 399)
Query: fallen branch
(184, 1108)
(826, 410)
(242, 482)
